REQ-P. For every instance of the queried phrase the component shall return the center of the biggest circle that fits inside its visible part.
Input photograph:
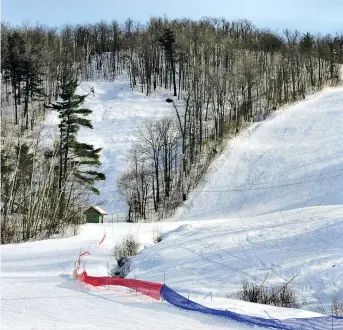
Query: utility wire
(275, 186)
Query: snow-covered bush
(337, 305)
(128, 247)
(157, 235)
(122, 252)
(281, 296)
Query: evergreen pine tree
(33, 84)
(306, 43)
(167, 41)
(13, 66)
(75, 158)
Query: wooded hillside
(221, 76)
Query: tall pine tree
(167, 41)
(13, 67)
(75, 158)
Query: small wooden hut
(95, 214)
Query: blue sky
(323, 16)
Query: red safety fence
(150, 289)
(158, 291)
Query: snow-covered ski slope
(38, 291)
(194, 258)
(287, 221)
(118, 113)
(292, 160)
(218, 255)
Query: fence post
(108, 286)
(134, 275)
(278, 325)
(209, 294)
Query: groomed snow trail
(278, 190)
(118, 113)
(218, 255)
(292, 160)
(38, 291)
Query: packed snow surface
(292, 160)
(270, 209)
(118, 113)
(38, 291)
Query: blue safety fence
(313, 323)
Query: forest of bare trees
(221, 76)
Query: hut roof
(98, 209)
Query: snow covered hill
(292, 160)
(271, 207)
(38, 291)
(194, 258)
(117, 114)
(218, 255)
(288, 161)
